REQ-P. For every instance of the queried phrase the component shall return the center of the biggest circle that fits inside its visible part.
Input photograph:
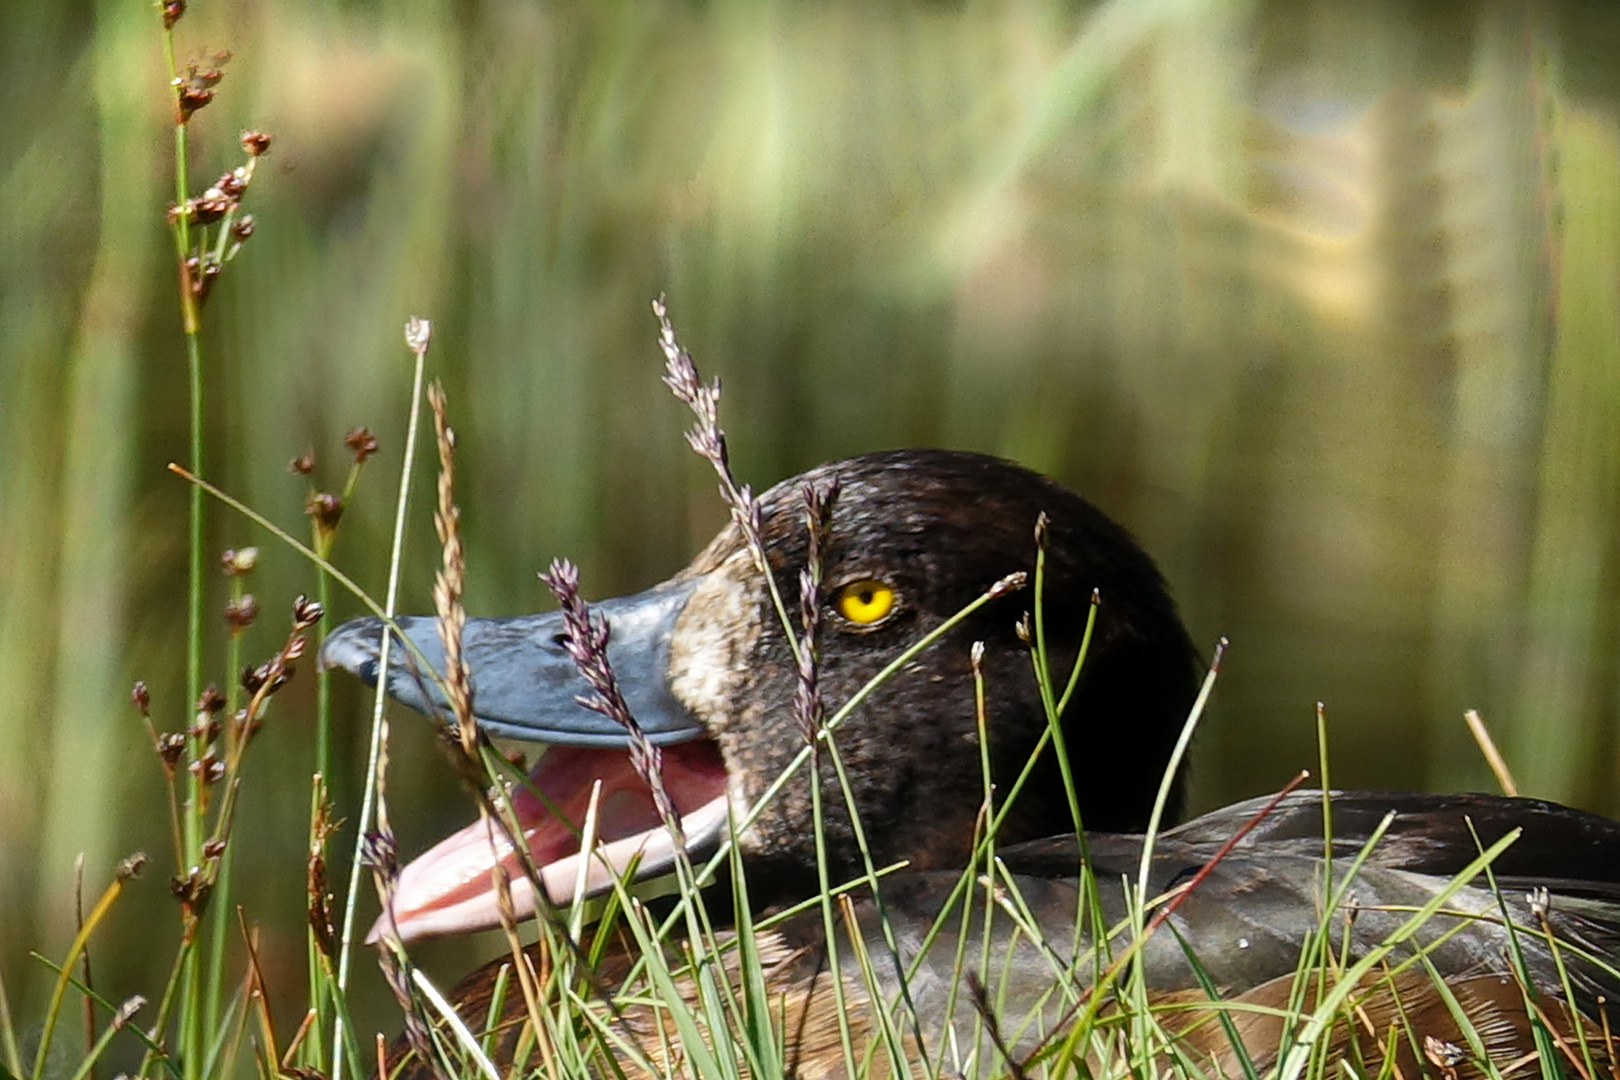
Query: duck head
(706, 668)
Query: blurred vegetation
(1321, 299)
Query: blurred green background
(1320, 299)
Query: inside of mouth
(450, 889)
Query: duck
(944, 549)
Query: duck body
(1245, 921)
(913, 538)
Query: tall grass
(618, 991)
(724, 1006)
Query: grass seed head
(241, 612)
(239, 561)
(362, 443)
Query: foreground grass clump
(616, 985)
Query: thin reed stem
(190, 1020)
(126, 870)
(418, 336)
(1493, 756)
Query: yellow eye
(864, 602)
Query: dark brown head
(915, 536)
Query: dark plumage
(915, 536)
(941, 528)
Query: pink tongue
(565, 774)
(448, 889)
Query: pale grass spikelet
(450, 581)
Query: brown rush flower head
(217, 201)
(239, 561)
(255, 143)
(210, 206)
(208, 768)
(192, 889)
(306, 613)
(206, 729)
(195, 88)
(210, 701)
(171, 747)
(200, 274)
(240, 613)
(362, 443)
(326, 509)
(141, 698)
(303, 464)
(269, 676)
(233, 183)
(172, 10)
(242, 228)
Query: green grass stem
(104, 904)
(419, 347)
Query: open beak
(525, 687)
